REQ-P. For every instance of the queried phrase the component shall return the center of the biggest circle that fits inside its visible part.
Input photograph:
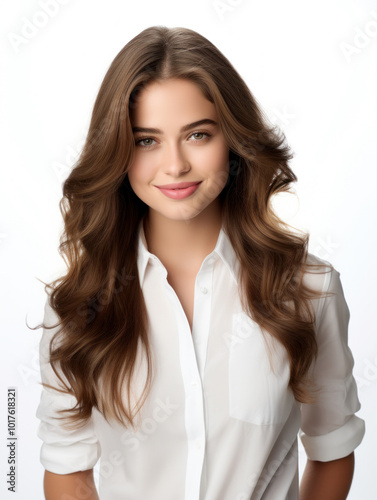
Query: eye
(200, 136)
(145, 142)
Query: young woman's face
(178, 140)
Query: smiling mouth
(183, 185)
(179, 193)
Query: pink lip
(178, 185)
(180, 190)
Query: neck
(188, 242)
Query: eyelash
(138, 141)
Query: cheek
(218, 161)
(139, 172)
(217, 168)
(132, 179)
(211, 159)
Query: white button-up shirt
(220, 422)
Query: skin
(320, 481)
(327, 480)
(186, 231)
(179, 230)
(73, 486)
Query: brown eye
(145, 142)
(199, 136)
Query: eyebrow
(185, 128)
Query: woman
(193, 335)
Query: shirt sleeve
(63, 450)
(329, 427)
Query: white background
(312, 67)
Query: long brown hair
(99, 301)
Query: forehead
(174, 101)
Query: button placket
(202, 312)
(200, 333)
(194, 402)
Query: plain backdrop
(313, 69)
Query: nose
(175, 161)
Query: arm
(65, 452)
(330, 430)
(327, 480)
(73, 486)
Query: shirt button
(203, 289)
(194, 382)
(198, 444)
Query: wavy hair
(99, 301)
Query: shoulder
(321, 276)
(50, 315)
(51, 324)
(318, 273)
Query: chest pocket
(258, 388)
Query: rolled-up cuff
(68, 459)
(336, 444)
(64, 450)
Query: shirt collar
(223, 249)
